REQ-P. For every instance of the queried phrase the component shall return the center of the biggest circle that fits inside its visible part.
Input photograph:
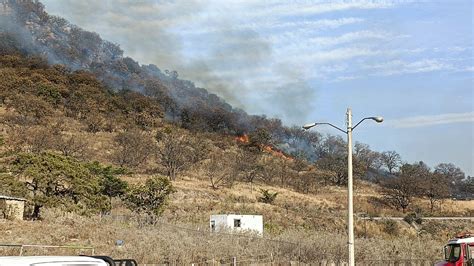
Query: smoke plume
(223, 53)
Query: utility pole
(350, 205)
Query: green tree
(110, 185)
(149, 198)
(56, 180)
(11, 186)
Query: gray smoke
(226, 58)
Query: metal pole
(350, 205)
(350, 210)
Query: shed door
(213, 225)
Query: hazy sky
(305, 61)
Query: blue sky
(305, 61)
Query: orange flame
(269, 149)
(243, 139)
(277, 153)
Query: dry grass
(170, 243)
(305, 227)
(194, 201)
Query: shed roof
(11, 198)
(233, 214)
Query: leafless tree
(400, 190)
(391, 160)
(249, 167)
(34, 138)
(174, 152)
(135, 146)
(435, 187)
(336, 166)
(276, 170)
(453, 174)
(72, 145)
(306, 181)
(367, 157)
(299, 162)
(220, 168)
(334, 146)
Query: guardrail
(423, 218)
(23, 246)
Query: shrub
(413, 217)
(151, 197)
(267, 196)
(49, 93)
(409, 218)
(391, 227)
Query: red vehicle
(459, 251)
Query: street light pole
(350, 203)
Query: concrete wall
(247, 223)
(11, 209)
(218, 223)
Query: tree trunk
(171, 174)
(36, 212)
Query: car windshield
(452, 252)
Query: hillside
(82, 129)
(29, 30)
(41, 114)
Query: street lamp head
(377, 119)
(308, 126)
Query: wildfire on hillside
(277, 153)
(267, 148)
(243, 139)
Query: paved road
(424, 218)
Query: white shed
(236, 222)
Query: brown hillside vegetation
(186, 243)
(80, 153)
